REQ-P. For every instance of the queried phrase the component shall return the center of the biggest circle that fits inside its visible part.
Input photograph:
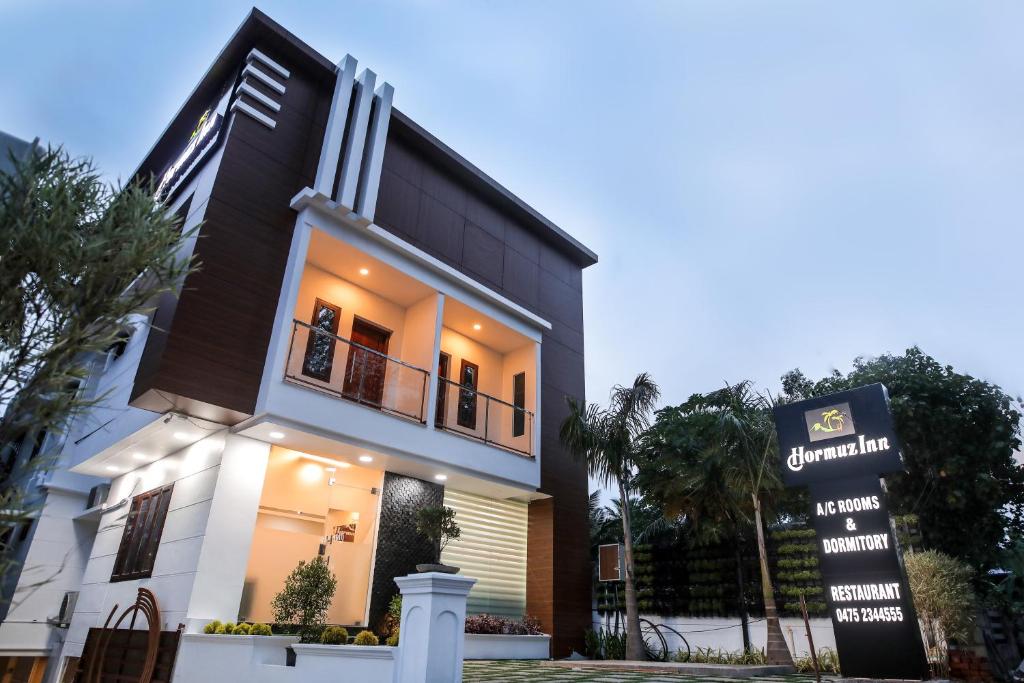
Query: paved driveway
(538, 672)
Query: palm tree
(713, 459)
(609, 439)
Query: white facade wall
(199, 569)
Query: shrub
(229, 628)
(366, 638)
(438, 524)
(305, 598)
(393, 638)
(488, 624)
(213, 626)
(394, 616)
(334, 635)
(243, 630)
(260, 630)
(220, 630)
(941, 588)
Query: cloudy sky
(768, 185)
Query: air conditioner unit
(67, 609)
(98, 496)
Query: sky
(768, 185)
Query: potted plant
(439, 525)
(305, 599)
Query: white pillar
(433, 620)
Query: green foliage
(334, 635)
(828, 662)
(221, 630)
(366, 638)
(393, 638)
(229, 628)
(438, 524)
(243, 630)
(305, 598)
(941, 588)
(393, 618)
(72, 249)
(708, 655)
(213, 626)
(604, 644)
(959, 435)
(260, 630)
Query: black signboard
(838, 445)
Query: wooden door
(367, 363)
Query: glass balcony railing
(466, 411)
(349, 370)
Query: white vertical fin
(373, 157)
(352, 156)
(336, 120)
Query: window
(443, 362)
(141, 536)
(519, 401)
(469, 378)
(320, 344)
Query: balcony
(465, 411)
(354, 371)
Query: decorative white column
(433, 619)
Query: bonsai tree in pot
(439, 525)
(305, 598)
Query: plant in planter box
(366, 638)
(212, 627)
(305, 598)
(260, 630)
(334, 635)
(438, 524)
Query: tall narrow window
(320, 345)
(468, 378)
(444, 361)
(137, 553)
(519, 401)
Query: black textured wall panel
(399, 547)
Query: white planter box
(489, 646)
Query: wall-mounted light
(476, 326)
(330, 472)
(364, 271)
(365, 458)
(276, 435)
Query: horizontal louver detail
(492, 550)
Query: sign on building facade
(839, 446)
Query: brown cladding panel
(217, 344)
(419, 201)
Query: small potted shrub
(334, 635)
(366, 638)
(212, 627)
(305, 599)
(439, 525)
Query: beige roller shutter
(492, 550)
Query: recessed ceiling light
(139, 456)
(113, 468)
(476, 326)
(441, 477)
(364, 271)
(344, 465)
(276, 435)
(365, 458)
(181, 436)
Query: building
(376, 326)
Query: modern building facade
(375, 326)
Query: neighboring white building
(376, 326)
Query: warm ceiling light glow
(330, 469)
(476, 326)
(364, 271)
(113, 468)
(441, 477)
(139, 456)
(365, 458)
(344, 465)
(181, 436)
(276, 435)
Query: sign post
(838, 446)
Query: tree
(609, 440)
(305, 598)
(438, 524)
(959, 435)
(715, 459)
(78, 259)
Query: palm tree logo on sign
(829, 422)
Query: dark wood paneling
(462, 227)
(216, 346)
